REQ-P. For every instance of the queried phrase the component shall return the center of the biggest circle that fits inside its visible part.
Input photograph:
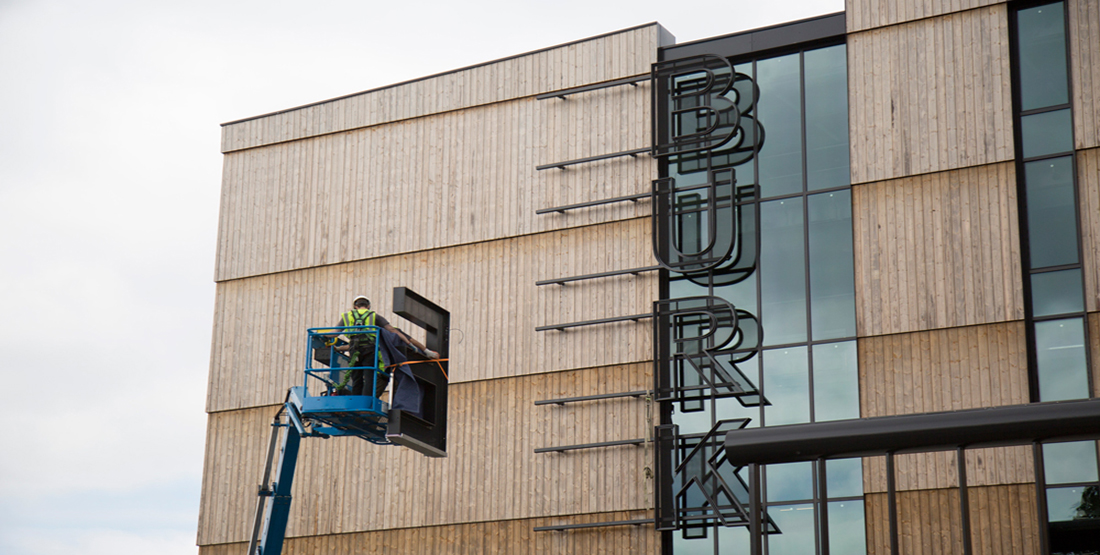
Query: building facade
(646, 247)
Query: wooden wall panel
(937, 251)
(604, 58)
(921, 471)
(491, 472)
(1088, 183)
(504, 538)
(931, 95)
(1002, 520)
(489, 288)
(943, 370)
(1084, 34)
(869, 14)
(454, 178)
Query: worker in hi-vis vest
(361, 345)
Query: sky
(110, 173)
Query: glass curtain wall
(1053, 281)
(784, 215)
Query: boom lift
(320, 408)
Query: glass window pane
(796, 526)
(733, 539)
(1060, 349)
(847, 531)
(836, 382)
(695, 546)
(1042, 56)
(1069, 463)
(832, 274)
(780, 113)
(1051, 212)
(786, 386)
(694, 422)
(790, 482)
(782, 272)
(1056, 293)
(1067, 503)
(827, 117)
(845, 477)
(1046, 133)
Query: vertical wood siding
(1002, 520)
(943, 370)
(921, 471)
(937, 251)
(491, 472)
(931, 95)
(489, 288)
(868, 14)
(502, 537)
(1084, 35)
(1088, 183)
(1094, 336)
(455, 178)
(623, 54)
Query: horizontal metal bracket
(563, 281)
(563, 401)
(563, 327)
(563, 209)
(561, 165)
(563, 527)
(632, 81)
(565, 448)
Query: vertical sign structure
(704, 233)
(425, 432)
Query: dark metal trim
(563, 281)
(632, 81)
(562, 209)
(563, 401)
(990, 427)
(892, 502)
(563, 527)
(964, 502)
(796, 33)
(565, 448)
(562, 327)
(561, 165)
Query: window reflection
(1046, 133)
(782, 272)
(832, 274)
(786, 386)
(1060, 350)
(1056, 293)
(1051, 212)
(790, 482)
(796, 523)
(1070, 462)
(1042, 56)
(780, 110)
(827, 118)
(847, 530)
(836, 381)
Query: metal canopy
(989, 427)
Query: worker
(361, 347)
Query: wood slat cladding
(502, 537)
(1088, 183)
(931, 95)
(622, 54)
(869, 14)
(1002, 520)
(1084, 33)
(259, 325)
(937, 251)
(943, 370)
(1094, 336)
(450, 179)
(923, 471)
(491, 473)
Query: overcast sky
(109, 181)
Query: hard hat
(364, 297)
